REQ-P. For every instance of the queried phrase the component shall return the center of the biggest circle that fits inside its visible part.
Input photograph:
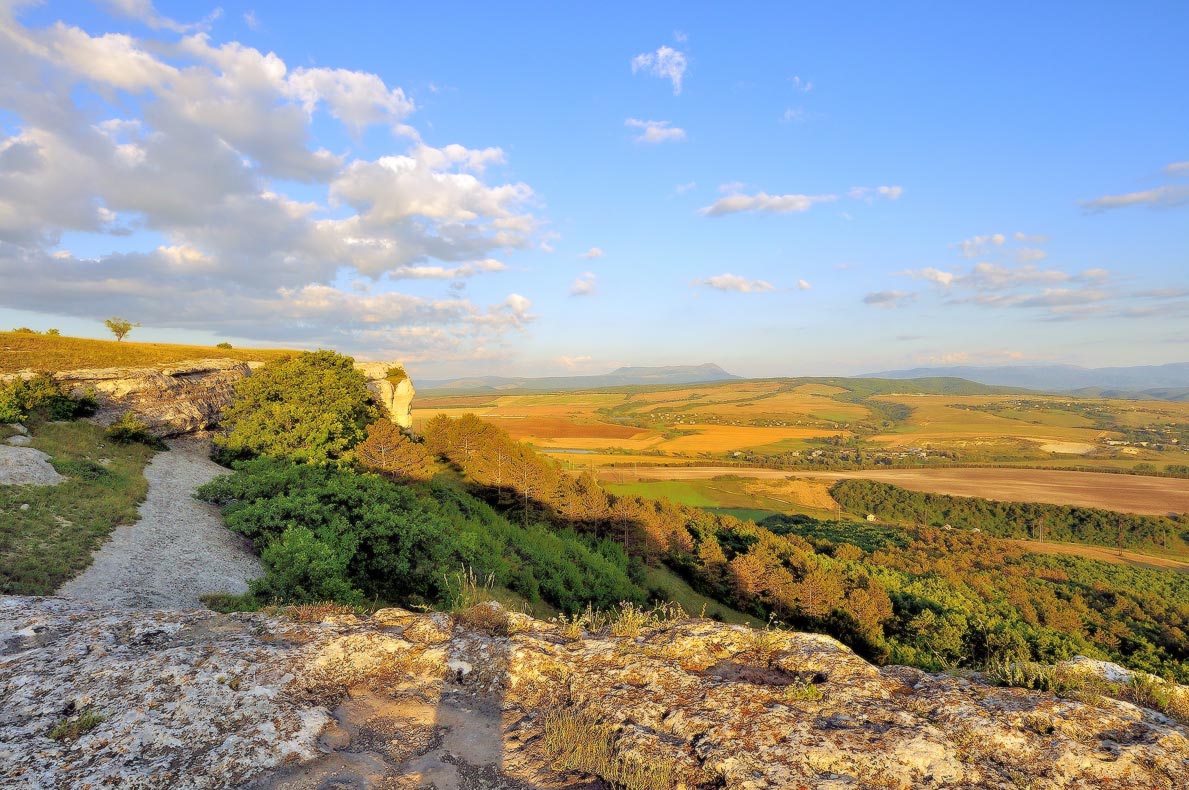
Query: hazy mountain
(621, 377)
(1164, 382)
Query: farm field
(1125, 493)
(831, 424)
(1130, 558)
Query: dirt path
(1126, 493)
(178, 550)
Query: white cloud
(803, 285)
(592, 253)
(1034, 238)
(1177, 168)
(1028, 254)
(763, 202)
(251, 20)
(204, 158)
(144, 12)
(868, 193)
(794, 115)
(979, 245)
(584, 285)
(689, 186)
(733, 282)
(804, 86)
(888, 298)
(655, 131)
(666, 62)
(1160, 197)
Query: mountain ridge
(1160, 382)
(622, 376)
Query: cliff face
(403, 700)
(187, 397)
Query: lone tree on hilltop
(311, 408)
(389, 451)
(119, 327)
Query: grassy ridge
(51, 353)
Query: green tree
(119, 327)
(313, 407)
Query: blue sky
(784, 189)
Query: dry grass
(576, 740)
(19, 351)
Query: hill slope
(53, 353)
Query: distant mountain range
(1160, 382)
(621, 377)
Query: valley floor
(1125, 493)
(178, 550)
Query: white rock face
(24, 466)
(395, 399)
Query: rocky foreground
(93, 697)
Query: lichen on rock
(196, 699)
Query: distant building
(871, 517)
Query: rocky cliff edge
(94, 697)
(187, 397)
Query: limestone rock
(175, 399)
(194, 699)
(21, 466)
(396, 399)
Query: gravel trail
(178, 550)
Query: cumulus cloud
(804, 86)
(666, 63)
(733, 282)
(204, 158)
(144, 12)
(803, 285)
(655, 131)
(592, 253)
(584, 285)
(762, 202)
(1161, 197)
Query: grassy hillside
(50, 353)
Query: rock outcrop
(174, 399)
(392, 391)
(187, 397)
(94, 697)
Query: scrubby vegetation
(42, 398)
(1035, 520)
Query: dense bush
(129, 430)
(330, 533)
(43, 397)
(313, 407)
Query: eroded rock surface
(403, 700)
(24, 466)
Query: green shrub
(80, 468)
(224, 344)
(43, 397)
(312, 408)
(128, 430)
